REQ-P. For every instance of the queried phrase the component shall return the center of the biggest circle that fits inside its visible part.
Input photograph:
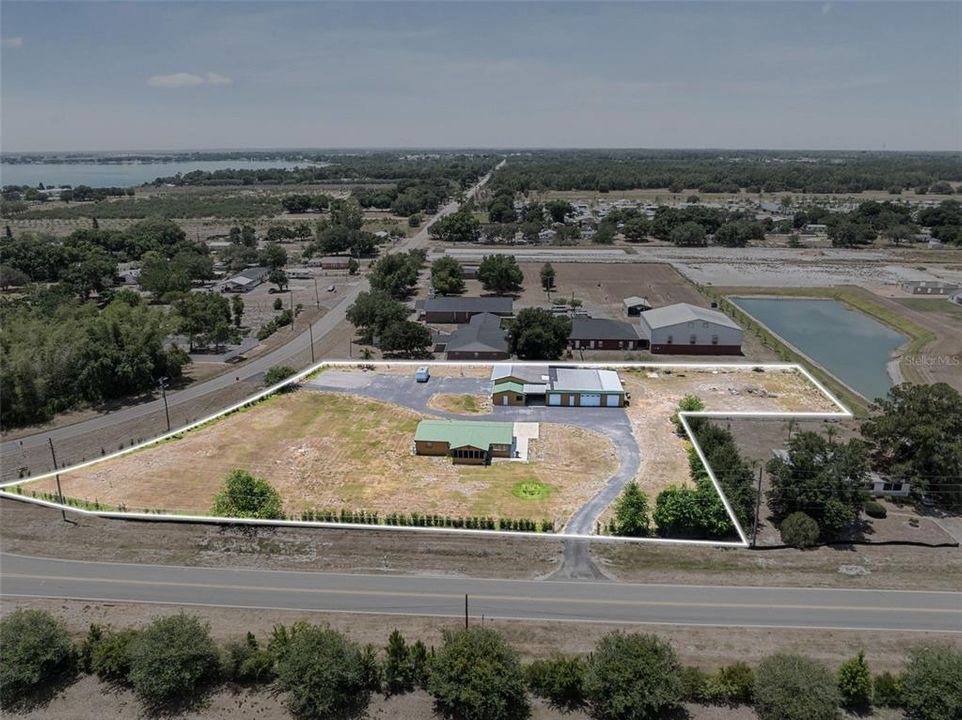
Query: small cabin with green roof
(467, 442)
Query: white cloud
(13, 42)
(182, 80)
(213, 78)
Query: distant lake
(851, 345)
(122, 174)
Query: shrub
(874, 509)
(932, 683)
(245, 496)
(692, 683)
(110, 659)
(632, 677)
(855, 683)
(559, 680)
(792, 687)
(276, 374)
(34, 651)
(245, 661)
(477, 676)
(322, 672)
(799, 530)
(887, 691)
(732, 684)
(86, 649)
(170, 660)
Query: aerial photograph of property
(481, 360)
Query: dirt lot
(33, 530)
(333, 451)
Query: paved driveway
(402, 390)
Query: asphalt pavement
(443, 596)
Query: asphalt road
(439, 596)
(11, 450)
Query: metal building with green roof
(472, 442)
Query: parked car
(422, 375)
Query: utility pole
(758, 502)
(310, 329)
(465, 611)
(317, 298)
(292, 310)
(63, 512)
(163, 392)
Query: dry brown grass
(333, 451)
(462, 404)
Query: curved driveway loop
(402, 390)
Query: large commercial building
(685, 329)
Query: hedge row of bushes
(364, 517)
(173, 662)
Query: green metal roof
(458, 433)
(508, 385)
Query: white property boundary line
(843, 412)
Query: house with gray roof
(685, 329)
(604, 334)
(482, 338)
(462, 309)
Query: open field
(331, 451)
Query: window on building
(670, 339)
(714, 339)
(692, 339)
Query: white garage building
(685, 329)
(581, 387)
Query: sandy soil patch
(328, 451)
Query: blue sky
(158, 75)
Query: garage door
(612, 400)
(590, 400)
(554, 399)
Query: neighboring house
(300, 273)
(467, 442)
(634, 305)
(245, 280)
(929, 287)
(470, 272)
(603, 334)
(816, 229)
(685, 329)
(560, 386)
(462, 309)
(482, 338)
(876, 485)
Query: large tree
(395, 274)
(447, 276)
(916, 434)
(792, 687)
(372, 312)
(406, 338)
(821, 477)
(500, 274)
(537, 334)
